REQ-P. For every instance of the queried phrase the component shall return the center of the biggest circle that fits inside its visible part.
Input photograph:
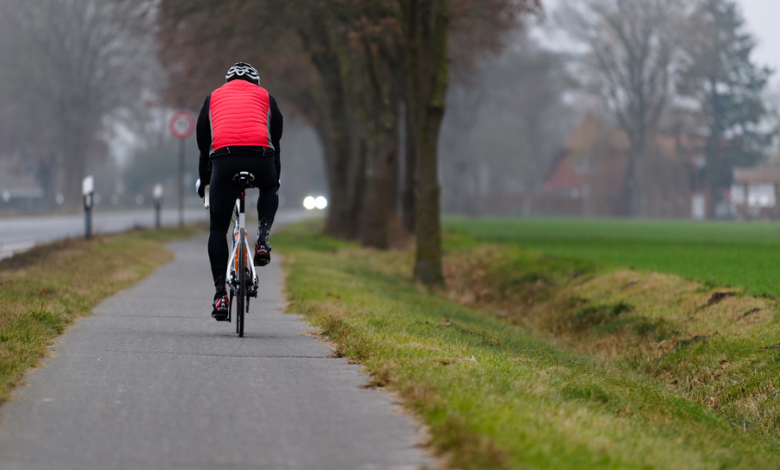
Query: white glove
(197, 186)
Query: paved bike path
(152, 382)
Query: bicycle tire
(230, 306)
(241, 294)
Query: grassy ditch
(710, 344)
(47, 288)
(738, 254)
(508, 388)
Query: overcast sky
(762, 18)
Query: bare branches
(632, 49)
(480, 26)
(72, 64)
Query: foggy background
(530, 128)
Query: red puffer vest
(240, 114)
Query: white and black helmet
(242, 70)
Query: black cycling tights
(222, 198)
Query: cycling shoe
(262, 254)
(221, 307)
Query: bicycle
(241, 274)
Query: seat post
(241, 207)
(244, 180)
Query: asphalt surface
(151, 381)
(22, 233)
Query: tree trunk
(382, 130)
(376, 210)
(334, 131)
(74, 174)
(633, 204)
(394, 175)
(76, 143)
(377, 207)
(639, 196)
(712, 158)
(428, 265)
(44, 177)
(340, 222)
(425, 26)
(410, 172)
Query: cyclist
(239, 129)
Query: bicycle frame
(238, 227)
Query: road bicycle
(241, 274)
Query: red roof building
(588, 177)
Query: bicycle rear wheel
(241, 294)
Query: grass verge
(501, 392)
(46, 289)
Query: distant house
(589, 175)
(754, 193)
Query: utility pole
(181, 183)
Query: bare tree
(508, 118)
(632, 47)
(74, 66)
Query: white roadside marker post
(157, 195)
(88, 190)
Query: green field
(724, 253)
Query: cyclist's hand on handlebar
(200, 188)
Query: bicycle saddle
(244, 177)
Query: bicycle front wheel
(241, 294)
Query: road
(22, 233)
(152, 382)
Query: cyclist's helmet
(243, 70)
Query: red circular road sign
(182, 124)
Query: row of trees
(361, 72)
(358, 71)
(71, 70)
(649, 59)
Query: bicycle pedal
(220, 316)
